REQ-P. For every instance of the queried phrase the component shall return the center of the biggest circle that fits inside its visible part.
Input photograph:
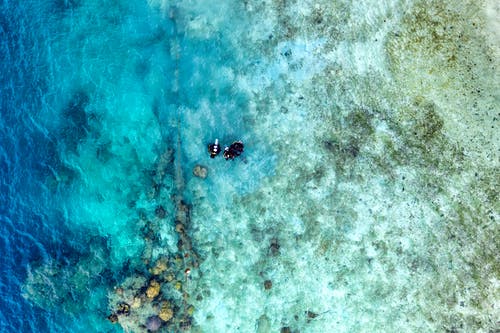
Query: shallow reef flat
(367, 196)
(384, 198)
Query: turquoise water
(366, 199)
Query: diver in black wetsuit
(237, 147)
(214, 148)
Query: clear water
(366, 199)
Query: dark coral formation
(155, 297)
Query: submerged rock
(153, 289)
(160, 267)
(113, 318)
(200, 171)
(136, 303)
(160, 212)
(166, 312)
(185, 324)
(311, 314)
(263, 324)
(178, 285)
(123, 309)
(179, 227)
(268, 284)
(274, 247)
(153, 323)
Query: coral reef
(158, 297)
(49, 282)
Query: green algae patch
(442, 53)
(441, 58)
(425, 122)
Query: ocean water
(366, 199)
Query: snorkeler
(228, 153)
(214, 148)
(235, 149)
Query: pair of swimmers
(234, 150)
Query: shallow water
(366, 199)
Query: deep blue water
(33, 227)
(25, 233)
